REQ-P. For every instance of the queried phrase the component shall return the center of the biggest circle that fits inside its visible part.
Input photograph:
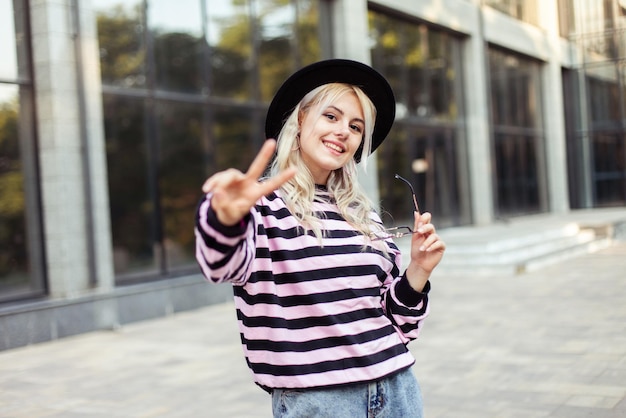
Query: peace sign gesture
(235, 193)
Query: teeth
(333, 147)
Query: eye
(330, 116)
(356, 128)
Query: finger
(206, 187)
(209, 184)
(436, 246)
(426, 229)
(222, 179)
(432, 243)
(416, 220)
(261, 160)
(275, 182)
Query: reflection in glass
(518, 134)
(230, 42)
(18, 218)
(604, 95)
(524, 10)
(426, 144)
(609, 166)
(234, 139)
(419, 63)
(8, 63)
(181, 171)
(276, 24)
(121, 40)
(427, 158)
(132, 209)
(228, 58)
(308, 49)
(176, 30)
(607, 139)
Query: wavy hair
(298, 193)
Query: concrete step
(527, 255)
(526, 244)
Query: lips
(334, 147)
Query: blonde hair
(342, 184)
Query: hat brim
(373, 84)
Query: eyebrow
(341, 111)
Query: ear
(301, 115)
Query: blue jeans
(395, 396)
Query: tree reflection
(122, 53)
(13, 254)
(200, 111)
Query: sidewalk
(549, 343)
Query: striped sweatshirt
(311, 315)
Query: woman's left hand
(427, 249)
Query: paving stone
(548, 343)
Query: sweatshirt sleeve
(405, 307)
(224, 253)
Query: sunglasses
(398, 231)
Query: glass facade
(518, 136)
(21, 254)
(427, 142)
(186, 83)
(182, 100)
(524, 10)
(596, 134)
(608, 139)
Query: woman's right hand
(235, 193)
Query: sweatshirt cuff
(409, 296)
(227, 230)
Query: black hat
(373, 84)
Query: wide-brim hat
(373, 84)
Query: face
(330, 137)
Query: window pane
(176, 29)
(21, 251)
(308, 26)
(427, 158)
(121, 40)
(9, 39)
(609, 160)
(181, 173)
(162, 145)
(426, 144)
(388, 56)
(276, 31)
(567, 20)
(19, 222)
(518, 134)
(420, 65)
(13, 253)
(520, 9)
(514, 93)
(604, 97)
(230, 41)
(517, 171)
(235, 141)
(132, 208)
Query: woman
(324, 312)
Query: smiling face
(330, 135)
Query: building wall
(81, 291)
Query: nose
(343, 130)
